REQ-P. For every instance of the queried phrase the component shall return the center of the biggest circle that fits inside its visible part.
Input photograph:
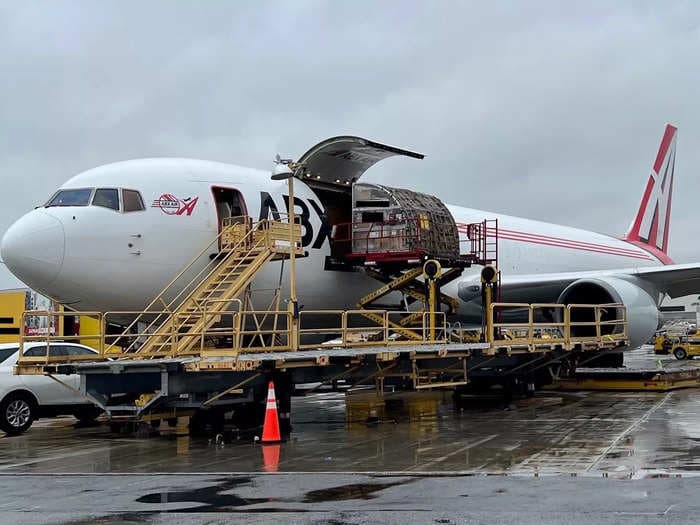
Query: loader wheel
(680, 353)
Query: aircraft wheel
(680, 353)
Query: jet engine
(642, 312)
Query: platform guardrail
(569, 325)
(236, 332)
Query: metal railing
(603, 327)
(49, 338)
(353, 328)
(565, 326)
(366, 238)
(410, 237)
(229, 330)
(482, 238)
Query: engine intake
(642, 311)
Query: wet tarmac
(616, 433)
(633, 445)
(345, 499)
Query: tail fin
(651, 225)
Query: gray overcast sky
(549, 110)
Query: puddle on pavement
(345, 492)
(213, 498)
(218, 498)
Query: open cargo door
(338, 162)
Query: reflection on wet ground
(589, 432)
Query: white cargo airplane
(112, 237)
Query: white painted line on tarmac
(629, 429)
(454, 453)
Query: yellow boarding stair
(245, 248)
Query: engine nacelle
(642, 313)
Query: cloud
(546, 110)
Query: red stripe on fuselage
(628, 251)
(636, 255)
(558, 242)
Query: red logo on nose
(171, 205)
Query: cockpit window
(132, 201)
(106, 197)
(80, 197)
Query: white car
(24, 398)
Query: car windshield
(79, 197)
(7, 352)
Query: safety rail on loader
(344, 330)
(199, 315)
(605, 326)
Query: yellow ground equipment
(681, 346)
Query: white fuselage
(95, 258)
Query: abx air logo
(171, 205)
(269, 210)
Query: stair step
(219, 283)
(233, 275)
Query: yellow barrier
(566, 326)
(48, 337)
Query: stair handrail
(260, 242)
(264, 240)
(246, 220)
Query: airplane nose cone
(33, 248)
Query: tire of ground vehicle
(680, 353)
(17, 413)
(87, 414)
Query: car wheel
(680, 353)
(87, 415)
(17, 413)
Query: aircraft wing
(676, 280)
(340, 161)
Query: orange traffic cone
(271, 457)
(271, 426)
